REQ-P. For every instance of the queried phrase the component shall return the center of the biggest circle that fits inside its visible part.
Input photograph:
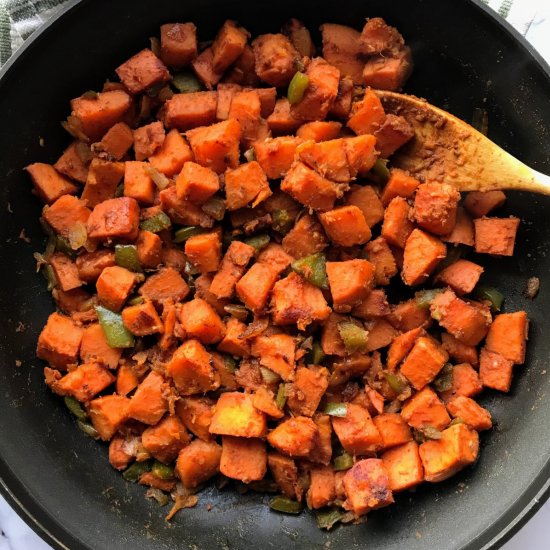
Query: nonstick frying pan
(61, 483)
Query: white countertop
(16, 535)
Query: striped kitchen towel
(19, 18)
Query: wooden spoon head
(447, 149)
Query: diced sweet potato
(275, 59)
(294, 437)
(246, 109)
(350, 282)
(107, 414)
(294, 300)
(435, 207)
(366, 199)
(84, 382)
(264, 401)
(322, 450)
(186, 111)
(277, 353)
(462, 276)
(322, 488)
(226, 92)
(198, 462)
(381, 256)
(474, 415)
(397, 225)
(94, 347)
(165, 440)
(366, 115)
(114, 285)
(96, 115)
(341, 48)
(196, 183)
(244, 459)
(403, 466)
(305, 238)
(409, 315)
(373, 306)
(319, 130)
(127, 380)
(235, 414)
(114, 219)
(74, 161)
(327, 158)
(281, 121)
(458, 351)
(356, 431)
(191, 369)
(442, 458)
(345, 226)
(166, 284)
(463, 231)
(172, 154)
(66, 272)
(507, 336)
(254, 288)
(142, 71)
(466, 322)
(59, 341)
(495, 371)
(392, 134)
(244, 69)
(119, 457)
(148, 139)
(300, 37)
(276, 155)
(496, 236)
(393, 429)
(115, 143)
(424, 410)
(481, 203)
(142, 319)
(284, 472)
(378, 37)
(309, 386)
(66, 214)
(465, 382)
(401, 346)
(400, 184)
(182, 211)
(149, 249)
(232, 343)
(102, 181)
(149, 403)
(216, 146)
(49, 184)
(228, 45)
(422, 254)
(199, 320)
(244, 185)
(331, 341)
(138, 184)
(388, 73)
(204, 251)
(196, 414)
(423, 362)
(232, 269)
(381, 334)
(178, 43)
(367, 486)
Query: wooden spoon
(447, 149)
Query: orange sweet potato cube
(409, 315)
(403, 466)
(424, 362)
(165, 284)
(458, 351)
(366, 115)
(228, 45)
(435, 207)
(178, 43)
(345, 226)
(94, 347)
(307, 390)
(465, 381)
(199, 320)
(149, 403)
(361, 153)
(255, 286)
(480, 203)
(327, 158)
(356, 431)
(424, 409)
(84, 382)
(322, 487)
(172, 154)
(397, 224)
(401, 346)
(138, 184)
(246, 185)
(350, 282)
(474, 415)
(231, 342)
(421, 255)
(277, 353)
(196, 414)
(462, 276)
(204, 251)
(114, 285)
(114, 219)
(496, 235)
(107, 414)
(142, 319)
(381, 334)
(322, 449)
(243, 458)
(232, 268)
(507, 336)
(115, 143)
(393, 429)
(367, 486)
(400, 184)
(189, 110)
(65, 214)
(66, 272)
(374, 306)
(294, 437)
(284, 472)
(48, 183)
(165, 440)
(102, 181)
(235, 414)
(149, 249)
(74, 161)
(383, 259)
(191, 369)
(495, 371)
(367, 200)
(264, 401)
(442, 458)
(59, 341)
(142, 71)
(463, 231)
(196, 183)
(198, 462)
(276, 155)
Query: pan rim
(540, 485)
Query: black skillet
(60, 482)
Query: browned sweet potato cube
(142, 71)
(235, 414)
(294, 437)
